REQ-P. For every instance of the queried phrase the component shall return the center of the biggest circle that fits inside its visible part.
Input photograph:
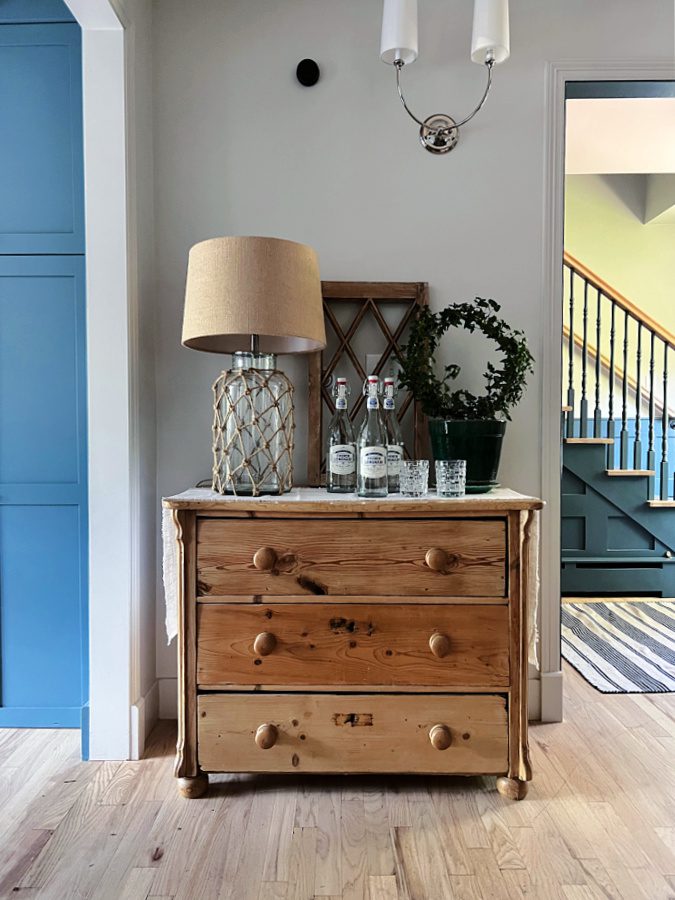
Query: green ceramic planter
(478, 441)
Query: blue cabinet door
(43, 491)
(43, 461)
(41, 183)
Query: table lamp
(254, 297)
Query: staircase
(618, 423)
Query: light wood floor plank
(137, 884)
(328, 871)
(354, 872)
(302, 865)
(382, 887)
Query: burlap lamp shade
(253, 297)
(242, 286)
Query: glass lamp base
(253, 432)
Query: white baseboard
(552, 696)
(168, 698)
(144, 715)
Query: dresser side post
(519, 534)
(527, 522)
(186, 765)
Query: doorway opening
(618, 385)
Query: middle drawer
(355, 644)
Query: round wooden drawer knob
(264, 643)
(266, 736)
(436, 559)
(439, 644)
(440, 737)
(265, 559)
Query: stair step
(662, 503)
(589, 440)
(566, 409)
(630, 473)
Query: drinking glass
(451, 477)
(414, 477)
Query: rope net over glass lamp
(439, 133)
(253, 297)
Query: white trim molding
(557, 75)
(116, 729)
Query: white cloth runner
(534, 582)
(170, 573)
(170, 563)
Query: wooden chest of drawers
(327, 634)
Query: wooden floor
(599, 822)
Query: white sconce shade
(490, 31)
(399, 31)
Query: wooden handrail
(618, 371)
(623, 302)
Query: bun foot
(192, 787)
(512, 788)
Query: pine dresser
(324, 633)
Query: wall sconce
(490, 44)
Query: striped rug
(622, 648)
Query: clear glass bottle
(372, 446)
(394, 438)
(341, 450)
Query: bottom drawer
(460, 734)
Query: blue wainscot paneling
(41, 183)
(43, 491)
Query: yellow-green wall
(604, 230)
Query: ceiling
(620, 136)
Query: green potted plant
(462, 425)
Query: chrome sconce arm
(439, 133)
(490, 45)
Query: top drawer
(345, 557)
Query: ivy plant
(505, 380)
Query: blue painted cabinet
(43, 426)
(41, 183)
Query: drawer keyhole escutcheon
(265, 559)
(440, 737)
(266, 736)
(436, 559)
(264, 643)
(439, 644)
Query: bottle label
(373, 403)
(388, 403)
(373, 462)
(394, 456)
(341, 403)
(342, 459)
